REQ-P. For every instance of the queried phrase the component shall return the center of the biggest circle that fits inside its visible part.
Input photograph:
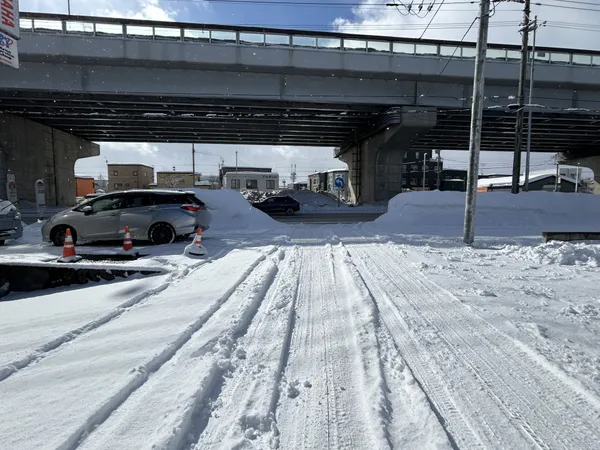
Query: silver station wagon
(154, 215)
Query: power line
(432, 18)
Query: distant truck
(251, 181)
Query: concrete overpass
(372, 97)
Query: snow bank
(498, 213)
(231, 213)
(562, 253)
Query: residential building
(412, 170)
(226, 169)
(84, 186)
(299, 186)
(538, 181)
(251, 181)
(177, 179)
(317, 182)
(129, 176)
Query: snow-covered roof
(533, 176)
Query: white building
(252, 181)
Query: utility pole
(424, 168)
(577, 180)
(69, 7)
(531, 26)
(557, 176)
(476, 122)
(438, 169)
(193, 162)
(516, 175)
(236, 165)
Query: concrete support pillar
(34, 151)
(375, 164)
(591, 162)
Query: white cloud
(453, 20)
(134, 9)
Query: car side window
(137, 201)
(107, 204)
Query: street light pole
(529, 125)
(476, 122)
(69, 7)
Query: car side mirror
(87, 210)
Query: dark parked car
(278, 204)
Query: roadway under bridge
(370, 97)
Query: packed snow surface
(322, 336)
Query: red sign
(9, 17)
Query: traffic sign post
(339, 185)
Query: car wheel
(162, 233)
(57, 235)
(289, 211)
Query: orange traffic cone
(69, 254)
(196, 248)
(127, 244)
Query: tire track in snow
(180, 391)
(245, 409)
(334, 373)
(144, 371)
(495, 382)
(44, 350)
(403, 405)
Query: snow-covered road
(333, 339)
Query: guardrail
(262, 37)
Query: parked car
(157, 216)
(11, 226)
(282, 204)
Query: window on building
(270, 184)
(235, 183)
(251, 184)
(118, 185)
(417, 155)
(135, 173)
(115, 173)
(126, 185)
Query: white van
(251, 181)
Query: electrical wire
(453, 53)
(432, 18)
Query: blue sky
(356, 16)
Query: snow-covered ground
(384, 335)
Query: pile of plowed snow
(562, 253)
(498, 213)
(231, 212)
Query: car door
(103, 221)
(136, 213)
(270, 205)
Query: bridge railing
(249, 36)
